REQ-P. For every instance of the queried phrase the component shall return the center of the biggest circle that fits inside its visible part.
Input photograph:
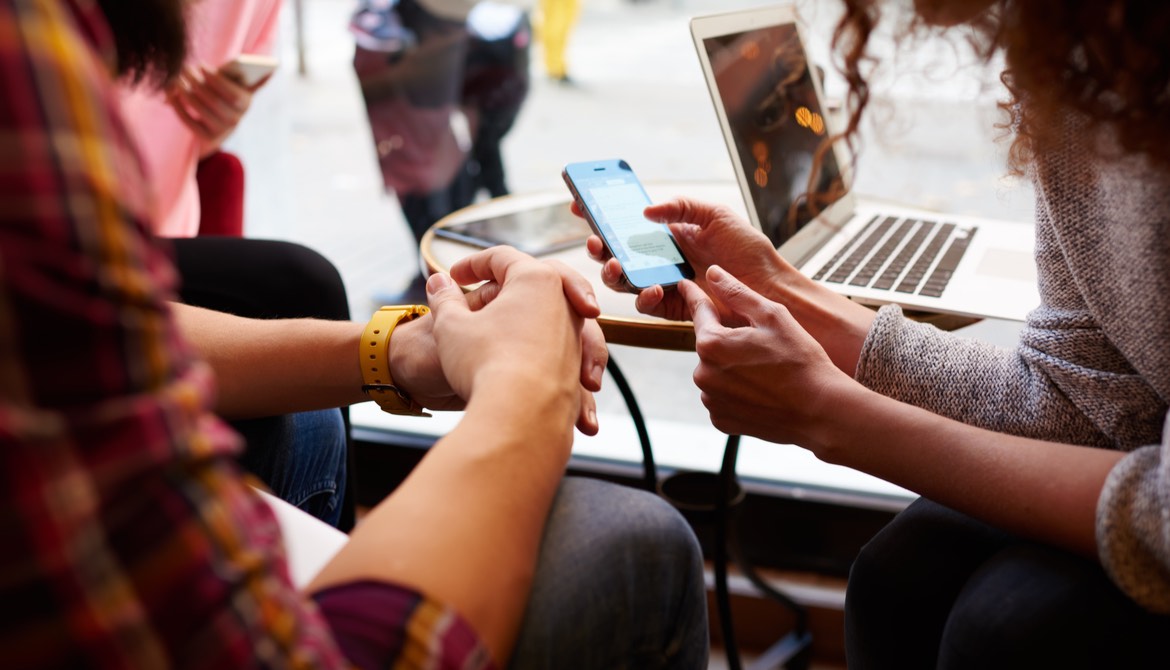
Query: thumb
(444, 295)
(737, 299)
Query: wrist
(406, 350)
(834, 429)
(838, 324)
(379, 364)
(529, 404)
(519, 383)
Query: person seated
(176, 128)
(1040, 539)
(303, 457)
(198, 193)
(136, 540)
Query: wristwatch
(374, 357)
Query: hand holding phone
(613, 200)
(209, 102)
(250, 70)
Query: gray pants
(619, 584)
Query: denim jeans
(619, 585)
(301, 457)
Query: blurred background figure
(377, 27)
(557, 18)
(495, 85)
(442, 82)
(199, 188)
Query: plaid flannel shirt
(131, 539)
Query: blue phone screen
(614, 199)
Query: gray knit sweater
(1093, 362)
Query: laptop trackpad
(1007, 264)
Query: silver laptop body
(770, 108)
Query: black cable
(649, 470)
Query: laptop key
(909, 283)
(875, 262)
(890, 275)
(861, 251)
(842, 251)
(947, 265)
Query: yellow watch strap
(374, 357)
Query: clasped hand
(530, 320)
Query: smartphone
(612, 199)
(250, 69)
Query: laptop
(772, 113)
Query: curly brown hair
(1108, 60)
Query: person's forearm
(267, 367)
(1042, 490)
(465, 526)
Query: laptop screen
(773, 113)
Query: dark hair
(1108, 60)
(150, 37)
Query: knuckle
(705, 347)
(702, 376)
(560, 267)
(540, 274)
(565, 272)
(723, 424)
(602, 354)
(721, 211)
(708, 401)
(710, 346)
(612, 276)
(777, 314)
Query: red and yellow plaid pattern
(130, 539)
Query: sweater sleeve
(1062, 383)
(1133, 528)
(1066, 380)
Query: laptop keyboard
(903, 255)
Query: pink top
(220, 30)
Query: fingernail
(593, 417)
(437, 282)
(716, 273)
(598, 372)
(592, 302)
